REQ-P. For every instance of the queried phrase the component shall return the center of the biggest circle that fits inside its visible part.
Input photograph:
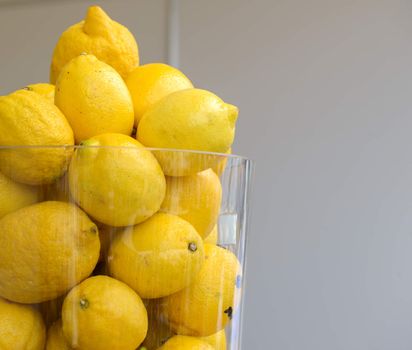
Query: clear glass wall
(98, 243)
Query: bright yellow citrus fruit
(14, 195)
(98, 35)
(21, 327)
(217, 340)
(191, 119)
(195, 198)
(45, 249)
(44, 89)
(102, 313)
(119, 186)
(157, 257)
(149, 83)
(94, 98)
(212, 237)
(56, 339)
(28, 119)
(207, 305)
(180, 342)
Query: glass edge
(225, 155)
(250, 174)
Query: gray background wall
(324, 88)
(29, 30)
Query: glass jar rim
(174, 150)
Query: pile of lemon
(106, 241)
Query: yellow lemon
(217, 340)
(207, 305)
(28, 119)
(159, 330)
(195, 198)
(191, 119)
(99, 35)
(102, 313)
(180, 342)
(212, 237)
(157, 257)
(56, 339)
(45, 249)
(119, 186)
(21, 327)
(94, 98)
(44, 89)
(149, 83)
(14, 195)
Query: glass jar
(112, 249)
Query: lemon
(195, 198)
(21, 327)
(14, 195)
(157, 257)
(94, 98)
(119, 186)
(191, 119)
(149, 83)
(102, 313)
(99, 35)
(212, 237)
(56, 339)
(180, 342)
(44, 89)
(28, 119)
(207, 305)
(45, 249)
(217, 340)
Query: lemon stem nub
(229, 312)
(84, 303)
(192, 246)
(97, 22)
